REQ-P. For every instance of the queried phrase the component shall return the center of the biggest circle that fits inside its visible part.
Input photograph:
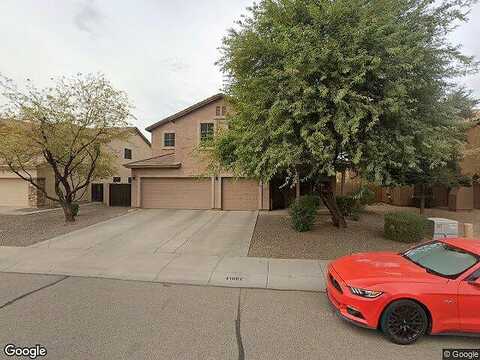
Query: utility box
(439, 228)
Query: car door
(468, 302)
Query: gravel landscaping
(273, 236)
(25, 230)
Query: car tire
(404, 322)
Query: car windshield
(441, 259)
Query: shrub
(347, 205)
(303, 213)
(364, 195)
(311, 200)
(75, 209)
(404, 226)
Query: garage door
(239, 194)
(13, 192)
(176, 193)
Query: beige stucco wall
(187, 138)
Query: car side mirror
(475, 282)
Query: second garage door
(239, 194)
(13, 192)
(176, 193)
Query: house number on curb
(234, 278)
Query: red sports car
(431, 288)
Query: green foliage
(75, 209)
(351, 206)
(347, 205)
(364, 195)
(404, 226)
(318, 85)
(303, 213)
(311, 200)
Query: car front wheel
(404, 322)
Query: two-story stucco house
(116, 191)
(16, 192)
(175, 177)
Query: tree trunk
(422, 199)
(342, 184)
(68, 212)
(297, 187)
(328, 198)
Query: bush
(364, 195)
(404, 226)
(75, 209)
(347, 205)
(311, 200)
(303, 213)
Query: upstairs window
(224, 110)
(206, 132)
(169, 139)
(217, 111)
(127, 154)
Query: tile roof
(167, 161)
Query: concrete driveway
(196, 232)
(171, 246)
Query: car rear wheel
(404, 322)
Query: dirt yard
(274, 237)
(25, 230)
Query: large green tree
(317, 83)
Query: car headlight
(371, 294)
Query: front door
(97, 192)
(469, 303)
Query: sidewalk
(281, 274)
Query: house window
(129, 179)
(206, 132)
(169, 139)
(117, 179)
(127, 154)
(224, 110)
(217, 111)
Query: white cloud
(88, 17)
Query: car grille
(335, 283)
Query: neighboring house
(116, 191)
(461, 198)
(471, 162)
(16, 192)
(176, 176)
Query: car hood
(366, 269)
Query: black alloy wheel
(404, 322)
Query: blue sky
(160, 52)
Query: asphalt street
(90, 318)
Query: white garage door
(13, 192)
(176, 193)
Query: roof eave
(153, 166)
(186, 111)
